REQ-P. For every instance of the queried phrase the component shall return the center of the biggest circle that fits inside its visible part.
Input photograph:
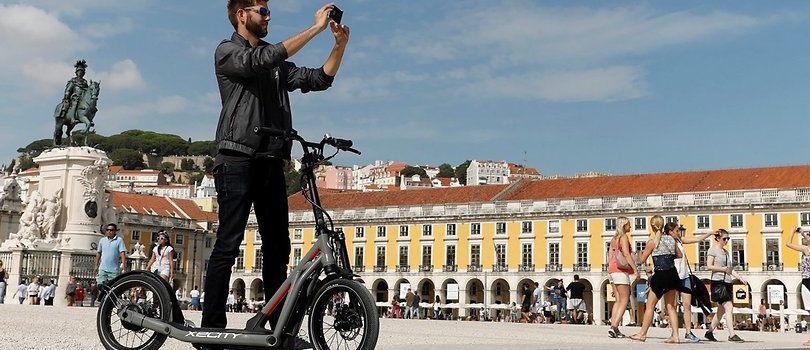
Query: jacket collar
(235, 37)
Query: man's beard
(256, 29)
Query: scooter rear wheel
(140, 293)
(344, 316)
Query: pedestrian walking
(195, 299)
(437, 308)
(49, 292)
(409, 304)
(93, 292)
(162, 260)
(80, 294)
(33, 291)
(664, 282)
(576, 302)
(416, 309)
(622, 271)
(804, 268)
(719, 262)
(111, 255)
(3, 283)
(682, 265)
(70, 291)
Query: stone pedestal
(80, 172)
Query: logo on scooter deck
(216, 335)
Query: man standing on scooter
(254, 79)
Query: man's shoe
(735, 338)
(692, 337)
(296, 343)
(710, 336)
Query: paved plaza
(38, 327)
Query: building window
(500, 254)
(403, 256)
(136, 235)
(771, 220)
(772, 251)
(259, 261)
(703, 222)
(403, 230)
(240, 260)
(737, 252)
(804, 219)
(380, 256)
(359, 232)
(209, 242)
(703, 248)
(554, 226)
(427, 255)
(451, 229)
(554, 253)
(672, 219)
(296, 256)
(381, 232)
(640, 246)
(475, 229)
(500, 228)
(298, 234)
(358, 256)
(641, 224)
(427, 230)
(526, 254)
(582, 253)
(582, 225)
(526, 227)
(736, 220)
(451, 255)
(607, 252)
(178, 239)
(610, 224)
(178, 260)
(154, 236)
(475, 255)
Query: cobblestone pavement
(39, 327)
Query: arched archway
(772, 300)
(257, 290)
(607, 299)
(380, 287)
(446, 297)
(500, 292)
(427, 291)
(587, 294)
(519, 292)
(238, 288)
(475, 291)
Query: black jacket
(248, 77)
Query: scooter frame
(328, 255)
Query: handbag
(621, 262)
(721, 294)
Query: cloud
(78, 8)
(48, 76)
(99, 30)
(123, 75)
(596, 85)
(28, 33)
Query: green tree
(11, 165)
(293, 178)
(208, 165)
(35, 148)
(167, 168)
(128, 158)
(27, 162)
(461, 172)
(446, 170)
(187, 165)
(202, 148)
(413, 170)
(195, 178)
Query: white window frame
(558, 227)
(577, 228)
(470, 255)
(428, 232)
(298, 234)
(455, 253)
(407, 255)
(771, 235)
(133, 235)
(531, 248)
(359, 232)
(742, 216)
(708, 222)
(422, 255)
(608, 229)
(802, 224)
(448, 230)
(765, 220)
(377, 255)
(382, 232)
(558, 242)
(587, 251)
(505, 228)
(472, 230)
(530, 227)
(643, 223)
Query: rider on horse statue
(78, 106)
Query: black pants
(260, 183)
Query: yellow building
(480, 244)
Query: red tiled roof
(162, 206)
(476, 194)
(625, 185)
(692, 181)
(522, 170)
(116, 169)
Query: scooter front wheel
(139, 293)
(344, 316)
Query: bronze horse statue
(84, 112)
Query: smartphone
(336, 14)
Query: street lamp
(681, 230)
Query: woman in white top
(162, 260)
(718, 261)
(682, 265)
(33, 291)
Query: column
(597, 306)
(462, 302)
(65, 264)
(13, 280)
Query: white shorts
(577, 304)
(620, 278)
(806, 297)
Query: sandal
(612, 334)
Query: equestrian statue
(78, 106)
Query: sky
(619, 87)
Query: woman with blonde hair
(804, 265)
(621, 266)
(664, 282)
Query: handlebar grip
(263, 130)
(349, 149)
(341, 143)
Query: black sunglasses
(261, 10)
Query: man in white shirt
(195, 299)
(48, 293)
(231, 301)
(22, 291)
